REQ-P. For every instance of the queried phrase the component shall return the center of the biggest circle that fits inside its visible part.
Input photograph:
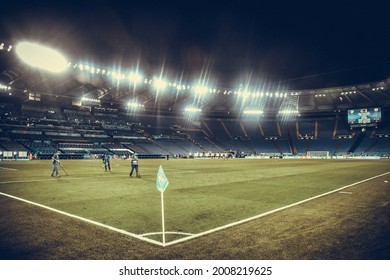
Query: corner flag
(161, 184)
(162, 180)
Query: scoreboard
(364, 117)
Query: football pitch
(203, 196)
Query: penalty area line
(270, 212)
(140, 237)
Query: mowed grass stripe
(202, 195)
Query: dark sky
(293, 44)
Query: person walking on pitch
(134, 166)
(106, 162)
(56, 162)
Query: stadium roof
(222, 58)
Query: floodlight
(192, 110)
(180, 87)
(134, 105)
(253, 112)
(114, 75)
(289, 112)
(41, 57)
(201, 90)
(89, 101)
(159, 84)
(135, 78)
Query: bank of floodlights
(85, 101)
(134, 105)
(288, 112)
(253, 112)
(46, 58)
(4, 88)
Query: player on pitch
(56, 162)
(106, 162)
(134, 165)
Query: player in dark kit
(134, 166)
(106, 162)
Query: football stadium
(101, 160)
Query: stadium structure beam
(366, 97)
(350, 100)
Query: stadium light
(41, 57)
(135, 78)
(159, 84)
(3, 87)
(2, 47)
(288, 112)
(190, 109)
(85, 101)
(134, 105)
(253, 112)
(201, 90)
(117, 75)
(46, 58)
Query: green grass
(202, 194)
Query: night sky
(293, 44)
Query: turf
(202, 194)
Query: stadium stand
(80, 133)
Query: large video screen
(364, 117)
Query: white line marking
(346, 192)
(40, 180)
(193, 236)
(6, 168)
(85, 220)
(269, 212)
(167, 232)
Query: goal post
(318, 154)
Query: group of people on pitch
(106, 158)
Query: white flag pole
(162, 217)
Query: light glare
(192, 110)
(134, 105)
(288, 112)
(41, 57)
(201, 90)
(253, 112)
(160, 84)
(135, 78)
